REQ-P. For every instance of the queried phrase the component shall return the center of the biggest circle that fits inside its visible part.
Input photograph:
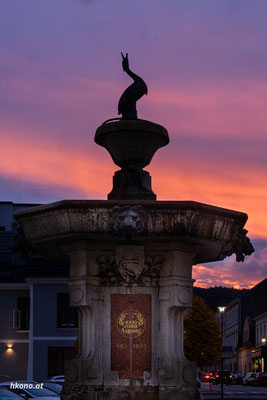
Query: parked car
(238, 378)
(5, 394)
(206, 377)
(29, 393)
(261, 379)
(55, 387)
(223, 377)
(250, 379)
(57, 379)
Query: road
(233, 392)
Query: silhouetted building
(38, 328)
(245, 331)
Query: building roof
(15, 267)
(254, 302)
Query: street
(233, 392)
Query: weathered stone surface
(139, 251)
(212, 230)
(131, 393)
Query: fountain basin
(131, 143)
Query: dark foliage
(202, 335)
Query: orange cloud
(47, 163)
(91, 172)
(206, 277)
(240, 190)
(231, 273)
(220, 108)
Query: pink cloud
(90, 169)
(231, 273)
(47, 163)
(221, 108)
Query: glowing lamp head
(221, 309)
(9, 347)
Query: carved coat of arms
(130, 261)
(129, 264)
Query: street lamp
(264, 351)
(221, 309)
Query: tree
(202, 335)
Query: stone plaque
(131, 334)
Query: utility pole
(221, 309)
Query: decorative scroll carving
(129, 266)
(76, 295)
(153, 264)
(127, 220)
(109, 269)
(184, 294)
(243, 247)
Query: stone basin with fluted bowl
(132, 145)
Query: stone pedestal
(130, 280)
(131, 184)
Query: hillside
(218, 295)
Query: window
(66, 316)
(21, 316)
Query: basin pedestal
(131, 282)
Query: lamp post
(221, 309)
(264, 351)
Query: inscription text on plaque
(131, 334)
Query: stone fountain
(131, 263)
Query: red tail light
(230, 376)
(217, 376)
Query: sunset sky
(205, 64)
